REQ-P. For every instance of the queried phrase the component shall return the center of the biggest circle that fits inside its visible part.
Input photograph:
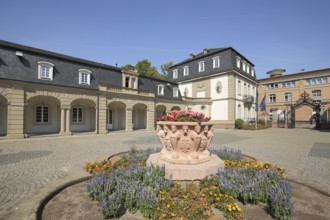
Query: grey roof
(55, 55)
(209, 52)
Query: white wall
(224, 92)
(219, 110)
(182, 87)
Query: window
(248, 69)
(84, 77)
(288, 97)
(216, 62)
(272, 98)
(77, 115)
(316, 93)
(45, 70)
(186, 71)
(110, 116)
(316, 80)
(239, 87)
(160, 89)
(272, 86)
(252, 72)
(238, 62)
(175, 74)
(244, 66)
(288, 84)
(42, 114)
(201, 66)
(175, 92)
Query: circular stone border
(51, 195)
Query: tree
(165, 67)
(145, 67)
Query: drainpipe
(98, 113)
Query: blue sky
(288, 34)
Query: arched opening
(116, 116)
(139, 117)
(177, 108)
(42, 115)
(160, 111)
(83, 115)
(3, 115)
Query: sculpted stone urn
(185, 143)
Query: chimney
(275, 72)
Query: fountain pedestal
(185, 154)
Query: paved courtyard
(31, 168)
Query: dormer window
(216, 62)
(244, 66)
(238, 62)
(175, 92)
(45, 70)
(175, 74)
(84, 77)
(252, 71)
(161, 89)
(248, 69)
(186, 71)
(201, 66)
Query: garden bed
(157, 198)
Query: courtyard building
(279, 93)
(43, 92)
(219, 82)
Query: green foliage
(144, 67)
(239, 123)
(165, 67)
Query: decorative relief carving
(186, 142)
(219, 87)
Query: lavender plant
(227, 153)
(279, 203)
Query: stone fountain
(184, 153)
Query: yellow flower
(217, 198)
(163, 215)
(173, 214)
(234, 208)
(238, 208)
(211, 193)
(215, 195)
(168, 205)
(158, 209)
(229, 209)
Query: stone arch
(160, 110)
(42, 115)
(116, 116)
(139, 116)
(3, 115)
(177, 108)
(83, 115)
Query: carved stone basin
(184, 151)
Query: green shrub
(239, 123)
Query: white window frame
(79, 119)
(248, 69)
(316, 93)
(201, 66)
(288, 97)
(42, 116)
(238, 62)
(85, 77)
(186, 71)
(175, 92)
(160, 89)
(175, 73)
(272, 98)
(244, 66)
(252, 72)
(45, 65)
(216, 62)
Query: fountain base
(176, 171)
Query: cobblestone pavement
(27, 166)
